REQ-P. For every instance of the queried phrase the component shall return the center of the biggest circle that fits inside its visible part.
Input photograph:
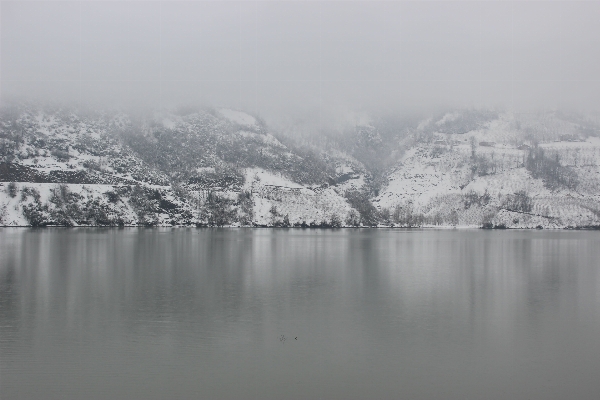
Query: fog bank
(287, 60)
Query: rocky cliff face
(221, 167)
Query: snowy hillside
(205, 167)
(474, 177)
(200, 167)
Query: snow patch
(267, 139)
(258, 176)
(238, 117)
(448, 117)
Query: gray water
(366, 314)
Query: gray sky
(293, 58)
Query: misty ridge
(295, 114)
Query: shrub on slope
(554, 175)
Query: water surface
(385, 314)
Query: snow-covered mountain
(199, 167)
(504, 169)
(215, 167)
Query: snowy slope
(300, 203)
(168, 168)
(440, 177)
(223, 167)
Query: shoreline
(460, 227)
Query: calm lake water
(378, 314)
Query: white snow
(267, 139)
(298, 202)
(238, 117)
(448, 117)
(261, 177)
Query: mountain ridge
(224, 167)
